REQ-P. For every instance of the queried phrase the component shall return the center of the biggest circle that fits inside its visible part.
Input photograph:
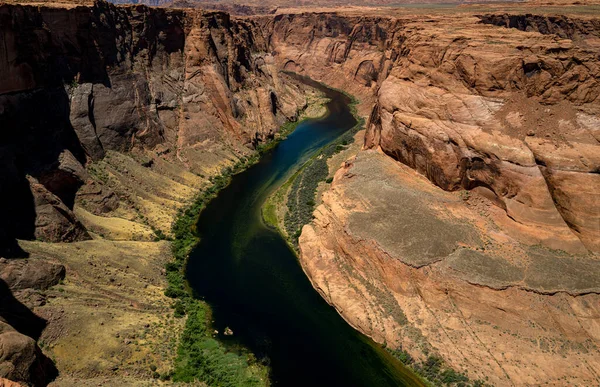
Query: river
(255, 285)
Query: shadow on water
(256, 286)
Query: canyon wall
(469, 225)
(77, 84)
(113, 119)
(440, 104)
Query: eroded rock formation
(113, 118)
(78, 83)
(21, 284)
(505, 123)
(469, 111)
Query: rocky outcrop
(21, 281)
(351, 53)
(493, 117)
(30, 274)
(18, 354)
(39, 142)
(8, 383)
(54, 221)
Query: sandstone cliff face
(113, 118)
(505, 123)
(501, 117)
(351, 53)
(78, 83)
(562, 26)
(473, 108)
(116, 116)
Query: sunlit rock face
(473, 217)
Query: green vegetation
(70, 84)
(303, 185)
(159, 235)
(269, 212)
(301, 197)
(97, 171)
(275, 201)
(200, 356)
(434, 372)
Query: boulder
(18, 353)
(54, 222)
(30, 273)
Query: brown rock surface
(9, 383)
(200, 86)
(20, 357)
(17, 354)
(479, 106)
(497, 271)
(54, 221)
(419, 268)
(30, 273)
(500, 126)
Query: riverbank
(253, 282)
(109, 321)
(291, 205)
(199, 355)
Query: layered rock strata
(471, 228)
(113, 119)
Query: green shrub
(179, 309)
(434, 371)
(201, 357)
(159, 235)
(301, 197)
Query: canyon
(467, 227)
